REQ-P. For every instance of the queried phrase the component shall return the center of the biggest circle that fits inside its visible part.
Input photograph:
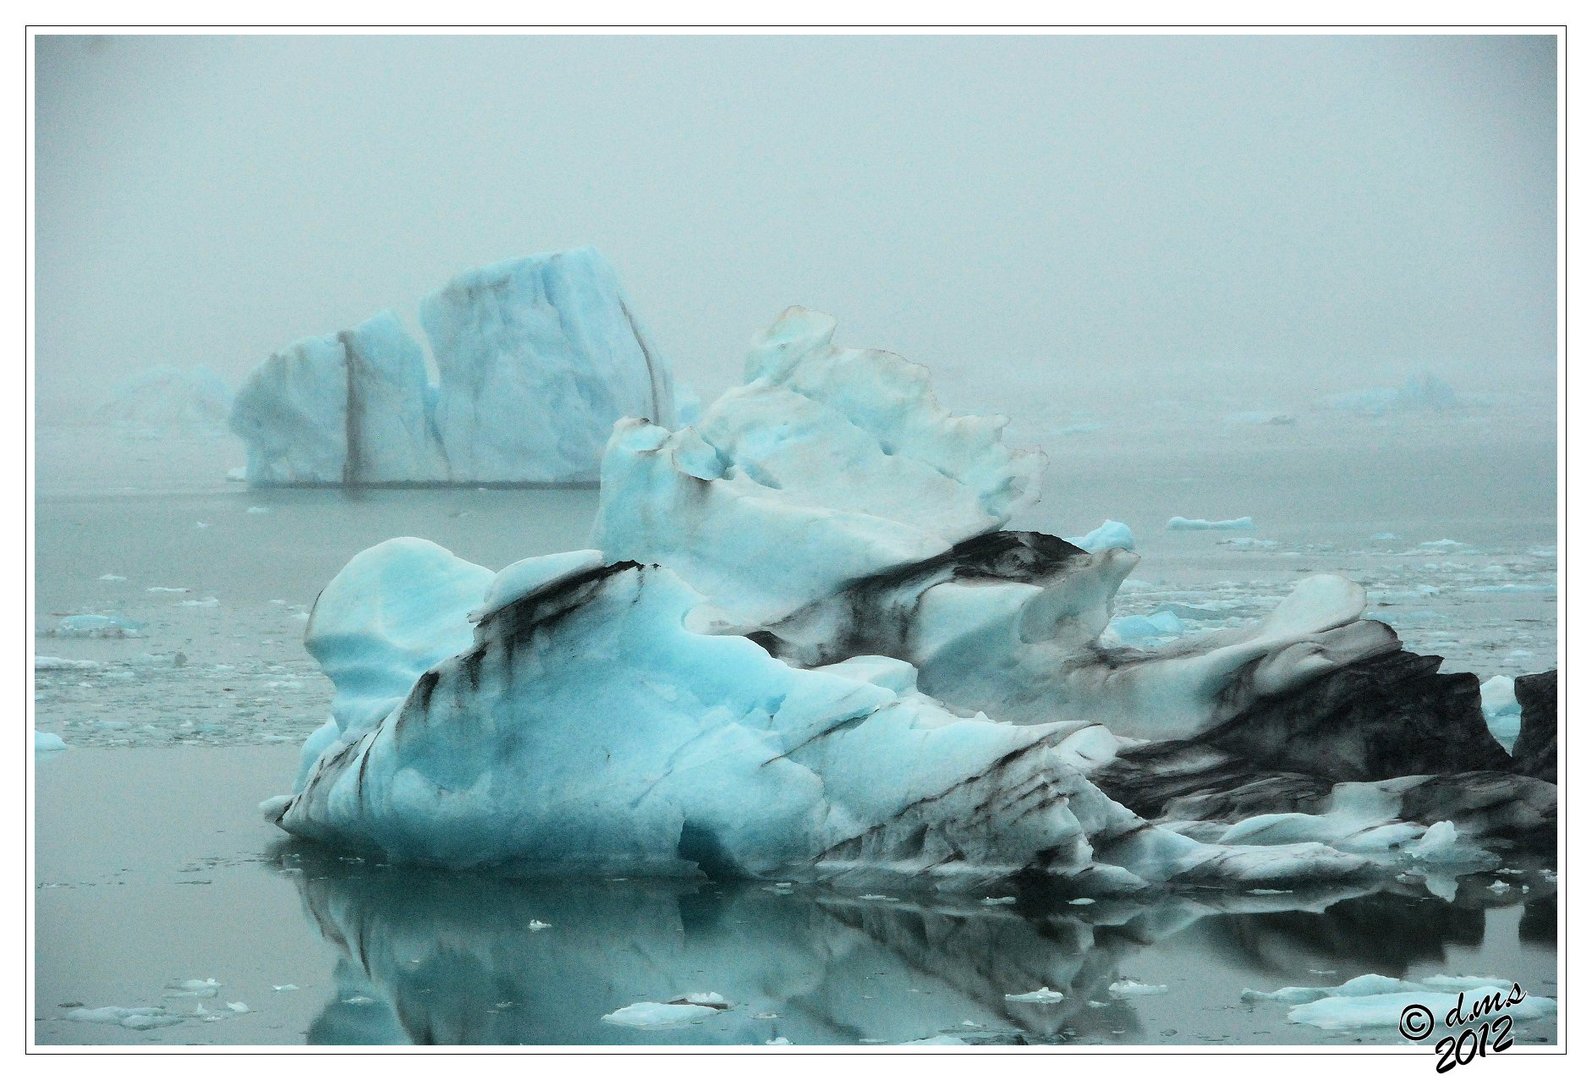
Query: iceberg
(803, 646)
(537, 358)
(166, 399)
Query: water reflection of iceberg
(446, 958)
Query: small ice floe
(45, 742)
(1323, 971)
(258, 510)
(205, 1014)
(1442, 545)
(1183, 524)
(58, 663)
(195, 988)
(1129, 988)
(997, 901)
(1081, 901)
(237, 1006)
(359, 999)
(1099, 1004)
(1378, 1001)
(112, 577)
(1247, 543)
(537, 924)
(284, 988)
(656, 1014)
(1498, 886)
(1550, 876)
(782, 887)
(1043, 996)
(168, 588)
(1384, 536)
(136, 1018)
(97, 626)
(706, 997)
(208, 601)
(878, 896)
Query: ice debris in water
(56, 663)
(1043, 996)
(1501, 710)
(537, 924)
(45, 742)
(1128, 988)
(112, 577)
(1180, 524)
(284, 988)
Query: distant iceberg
(168, 399)
(803, 646)
(1420, 393)
(537, 358)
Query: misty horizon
(1271, 219)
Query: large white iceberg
(537, 358)
(802, 647)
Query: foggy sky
(1263, 218)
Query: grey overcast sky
(1077, 217)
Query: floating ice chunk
(1108, 534)
(1442, 545)
(1125, 988)
(204, 988)
(112, 577)
(997, 901)
(656, 1014)
(97, 626)
(45, 742)
(1178, 524)
(136, 1018)
(1498, 886)
(537, 924)
(284, 988)
(237, 1007)
(57, 663)
(168, 589)
(1384, 536)
(207, 602)
(1501, 710)
(702, 997)
(1043, 996)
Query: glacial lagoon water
(154, 869)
